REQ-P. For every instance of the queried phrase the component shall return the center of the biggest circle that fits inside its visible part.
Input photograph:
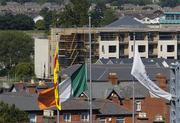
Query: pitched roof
(101, 90)
(23, 101)
(105, 107)
(100, 72)
(28, 102)
(126, 21)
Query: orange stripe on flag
(46, 98)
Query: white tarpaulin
(139, 72)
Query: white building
(37, 18)
(41, 60)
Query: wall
(41, 59)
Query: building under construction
(114, 41)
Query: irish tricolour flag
(74, 85)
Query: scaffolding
(73, 47)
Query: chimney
(42, 86)
(162, 81)
(31, 87)
(113, 78)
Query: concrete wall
(41, 60)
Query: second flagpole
(90, 80)
(134, 43)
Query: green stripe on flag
(79, 81)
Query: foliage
(18, 22)
(15, 47)
(40, 25)
(50, 18)
(24, 70)
(109, 16)
(75, 14)
(10, 114)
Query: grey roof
(105, 107)
(100, 72)
(113, 109)
(28, 102)
(23, 101)
(127, 21)
(102, 90)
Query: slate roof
(126, 21)
(28, 102)
(101, 90)
(105, 107)
(23, 101)
(100, 72)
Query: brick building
(112, 97)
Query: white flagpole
(133, 80)
(90, 80)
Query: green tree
(40, 25)
(15, 47)
(75, 14)
(109, 16)
(10, 114)
(24, 70)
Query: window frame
(85, 116)
(65, 118)
(138, 105)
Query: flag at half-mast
(56, 77)
(139, 72)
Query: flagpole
(58, 119)
(90, 80)
(133, 80)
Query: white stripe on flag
(65, 90)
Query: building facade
(41, 57)
(114, 43)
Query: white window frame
(85, 116)
(32, 120)
(120, 119)
(66, 118)
(138, 105)
(102, 120)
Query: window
(67, 117)
(171, 57)
(138, 36)
(159, 118)
(112, 49)
(132, 48)
(103, 48)
(102, 120)
(120, 120)
(138, 105)
(165, 36)
(170, 48)
(85, 116)
(161, 48)
(108, 36)
(32, 118)
(141, 48)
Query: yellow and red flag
(50, 97)
(56, 78)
